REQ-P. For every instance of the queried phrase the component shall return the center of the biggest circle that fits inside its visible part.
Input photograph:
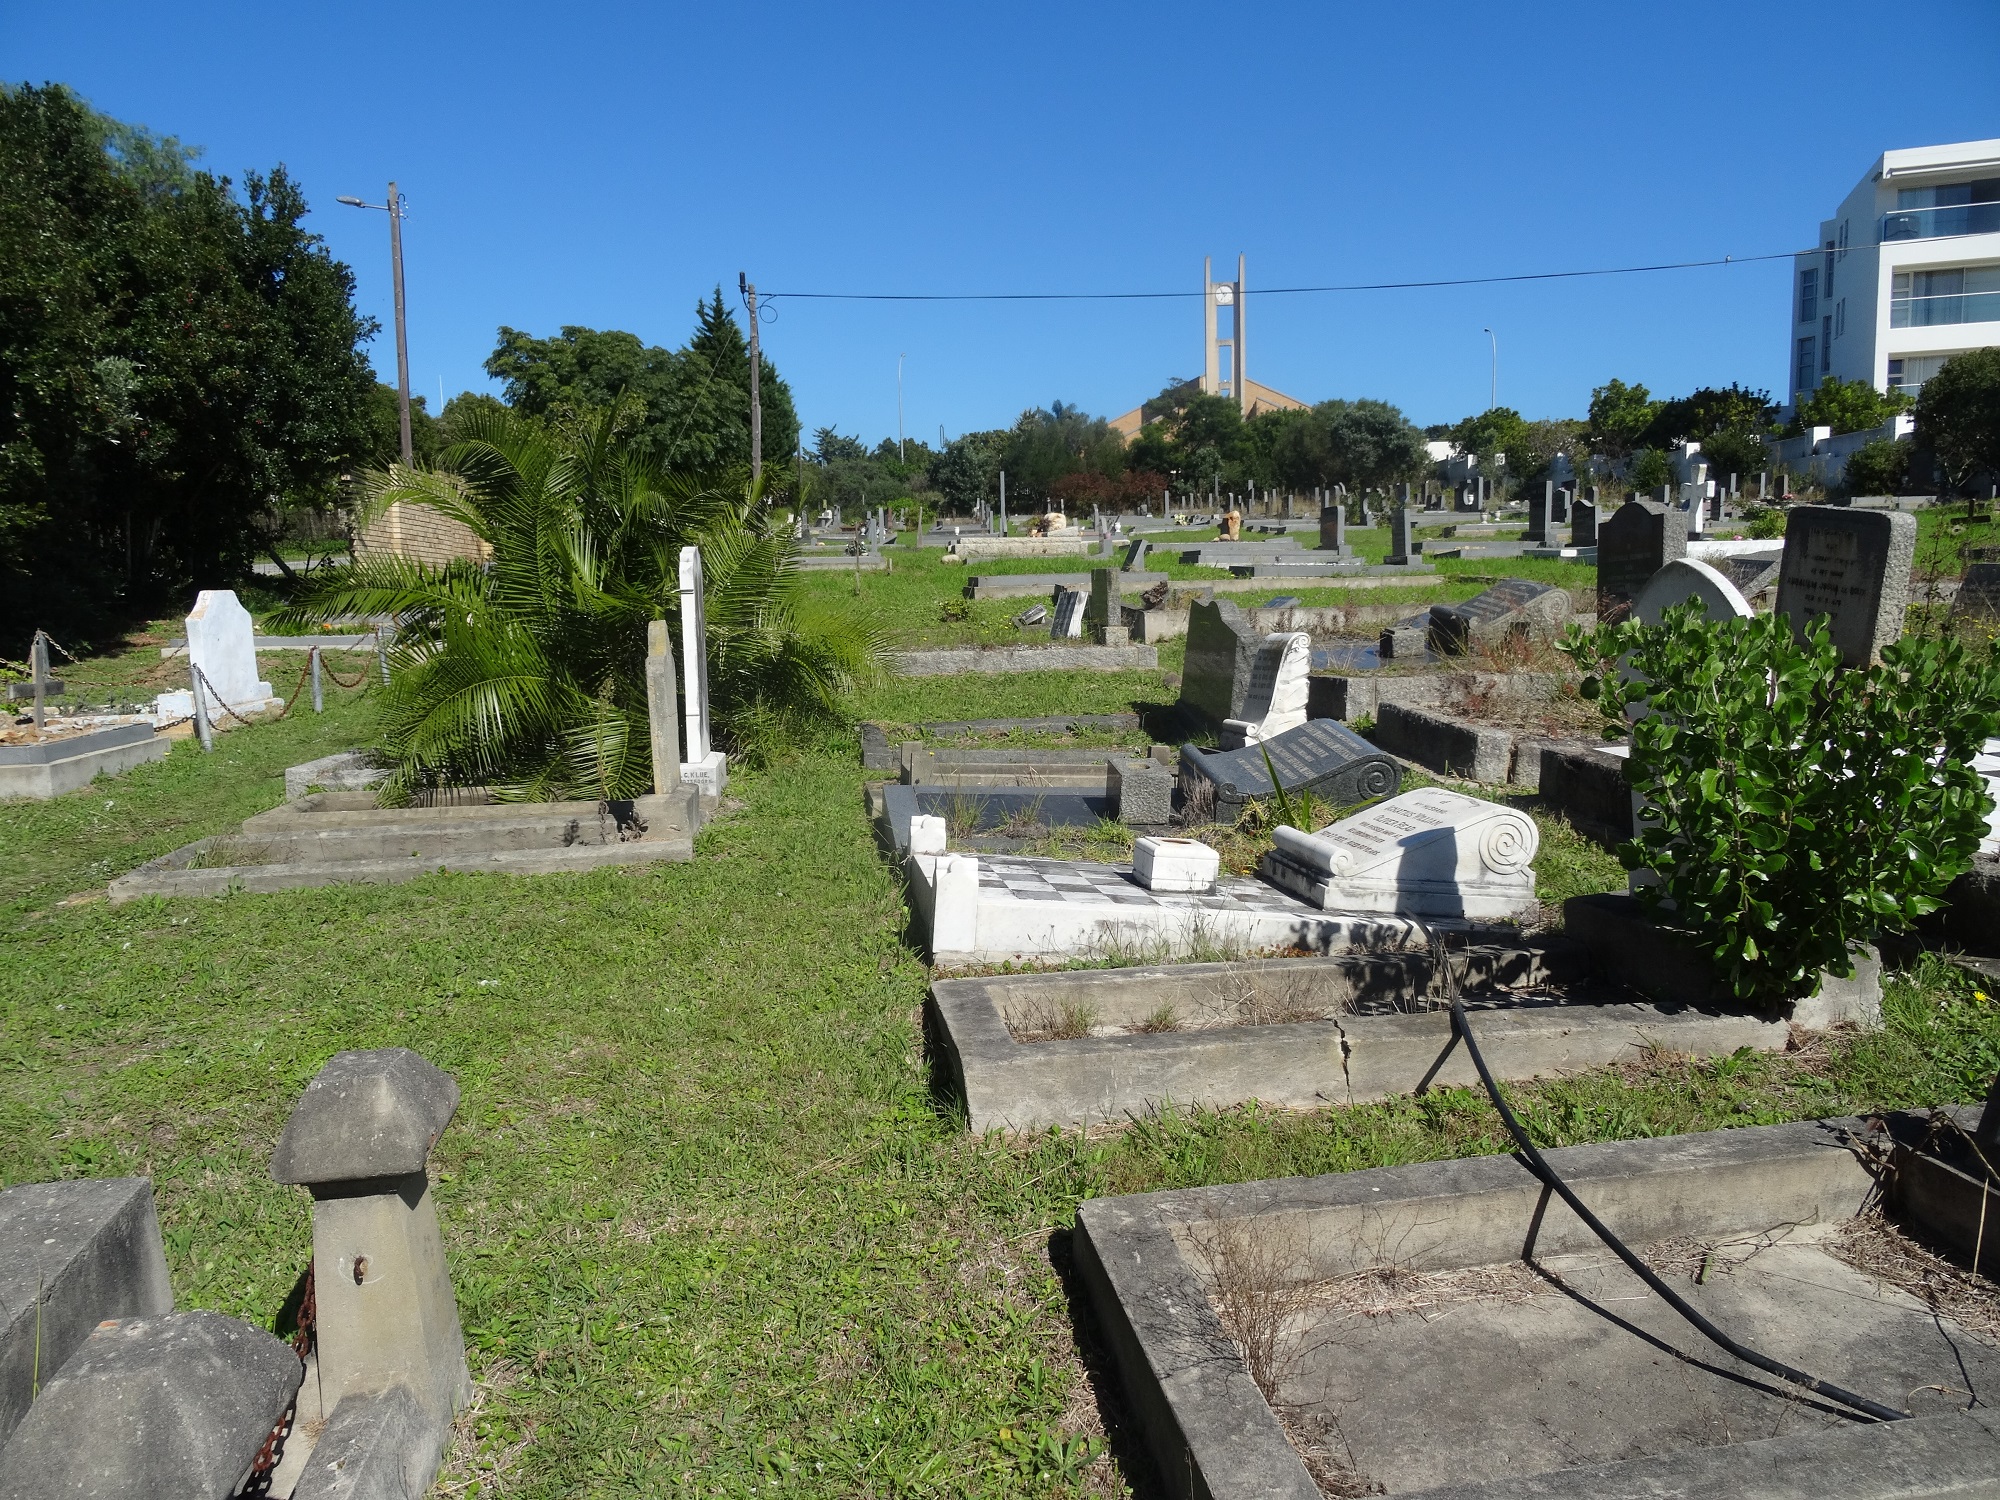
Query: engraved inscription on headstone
(1853, 568)
(1323, 757)
(1514, 606)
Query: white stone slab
(694, 658)
(222, 646)
(709, 775)
(1688, 578)
(1163, 864)
(1276, 700)
(1430, 853)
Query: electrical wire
(1462, 1028)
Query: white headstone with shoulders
(222, 645)
(705, 766)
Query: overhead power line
(1281, 291)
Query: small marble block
(1175, 864)
(927, 834)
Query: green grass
(710, 1233)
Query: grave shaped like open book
(1427, 853)
(1276, 700)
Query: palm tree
(525, 672)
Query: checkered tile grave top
(1006, 877)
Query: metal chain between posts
(305, 1337)
(220, 700)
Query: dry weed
(1873, 1245)
(1054, 1021)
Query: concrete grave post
(222, 649)
(1851, 567)
(662, 708)
(388, 1322)
(705, 766)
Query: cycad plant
(525, 672)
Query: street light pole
(394, 208)
(899, 406)
(1493, 397)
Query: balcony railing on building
(1935, 223)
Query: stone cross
(1851, 567)
(359, 1139)
(662, 707)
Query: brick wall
(421, 534)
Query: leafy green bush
(1877, 468)
(1796, 808)
(1649, 470)
(527, 673)
(1765, 521)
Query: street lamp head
(351, 202)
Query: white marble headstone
(222, 644)
(1689, 578)
(1276, 700)
(1427, 853)
(705, 766)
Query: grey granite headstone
(1221, 651)
(174, 1405)
(1067, 621)
(1633, 543)
(1323, 757)
(1103, 606)
(1853, 567)
(1514, 606)
(1333, 529)
(1979, 592)
(1399, 534)
(1539, 532)
(1135, 554)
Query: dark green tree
(1958, 419)
(1877, 468)
(967, 470)
(1360, 444)
(1620, 414)
(1848, 406)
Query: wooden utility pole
(395, 206)
(749, 291)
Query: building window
(1802, 372)
(1826, 344)
(1909, 373)
(1953, 208)
(1956, 294)
(1840, 318)
(1808, 296)
(1826, 281)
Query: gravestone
(1427, 853)
(1323, 757)
(1221, 648)
(222, 647)
(1333, 529)
(1689, 578)
(1539, 532)
(1067, 621)
(1514, 606)
(1853, 567)
(1633, 543)
(1103, 606)
(1583, 524)
(705, 766)
(1560, 501)
(1399, 534)
(1752, 573)
(1135, 554)
(1283, 601)
(1979, 592)
(1276, 700)
(1034, 614)
(661, 703)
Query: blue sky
(609, 164)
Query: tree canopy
(177, 357)
(1958, 418)
(1848, 406)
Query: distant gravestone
(1853, 568)
(1276, 700)
(1753, 573)
(1221, 650)
(1633, 543)
(1135, 554)
(1583, 524)
(1333, 529)
(1979, 592)
(1323, 757)
(1034, 614)
(1103, 606)
(1427, 853)
(1689, 578)
(1399, 534)
(1514, 606)
(1559, 504)
(1066, 624)
(1540, 533)
(222, 647)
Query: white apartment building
(1907, 273)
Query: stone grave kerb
(359, 1139)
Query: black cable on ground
(1462, 1027)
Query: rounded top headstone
(367, 1114)
(1689, 578)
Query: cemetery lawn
(710, 1230)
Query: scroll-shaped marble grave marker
(1276, 700)
(1427, 853)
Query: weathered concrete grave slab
(59, 762)
(1450, 1330)
(334, 838)
(1430, 853)
(1086, 1047)
(1322, 757)
(1853, 567)
(1514, 606)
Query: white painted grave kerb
(1278, 691)
(222, 647)
(1427, 853)
(705, 766)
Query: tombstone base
(709, 775)
(1500, 900)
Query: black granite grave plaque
(1633, 543)
(1322, 757)
(1979, 592)
(1510, 606)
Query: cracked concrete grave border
(1149, 1267)
(1294, 1033)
